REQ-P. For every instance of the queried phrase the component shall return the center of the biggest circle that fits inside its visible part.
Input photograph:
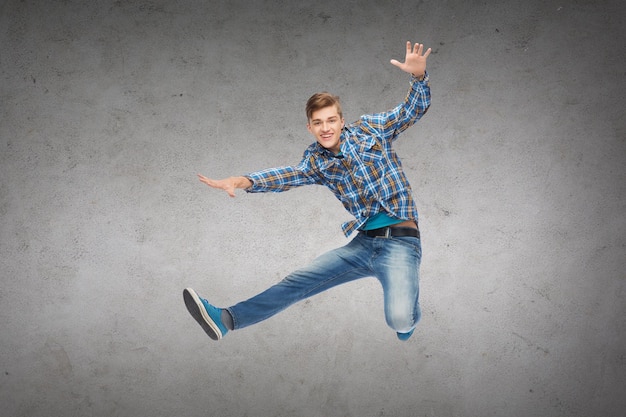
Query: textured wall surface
(108, 110)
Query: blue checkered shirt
(367, 178)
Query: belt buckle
(387, 234)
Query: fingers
(204, 179)
(417, 49)
(412, 49)
(209, 182)
(221, 184)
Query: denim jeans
(394, 261)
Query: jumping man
(358, 164)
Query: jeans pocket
(409, 241)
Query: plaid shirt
(368, 177)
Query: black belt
(392, 232)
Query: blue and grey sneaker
(208, 316)
(405, 336)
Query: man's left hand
(414, 61)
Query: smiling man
(325, 120)
(358, 164)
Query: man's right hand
(229, 184)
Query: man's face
(326, 125)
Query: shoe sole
(405, 336)
(198, 312)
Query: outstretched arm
(227, 184)
(414, 61)
(391, 123)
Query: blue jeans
(394, 261)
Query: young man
(358, 164)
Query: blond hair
(321, 100)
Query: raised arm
(414, 61)
(391, 123)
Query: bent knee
(403, 321)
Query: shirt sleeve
(393, 122)
(282, 178)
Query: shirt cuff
(425, 79)
(250, 189)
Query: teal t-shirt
(379, 220)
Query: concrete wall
(109, 109)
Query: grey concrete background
(110, 108)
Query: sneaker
(208, 316)
(405, 336)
